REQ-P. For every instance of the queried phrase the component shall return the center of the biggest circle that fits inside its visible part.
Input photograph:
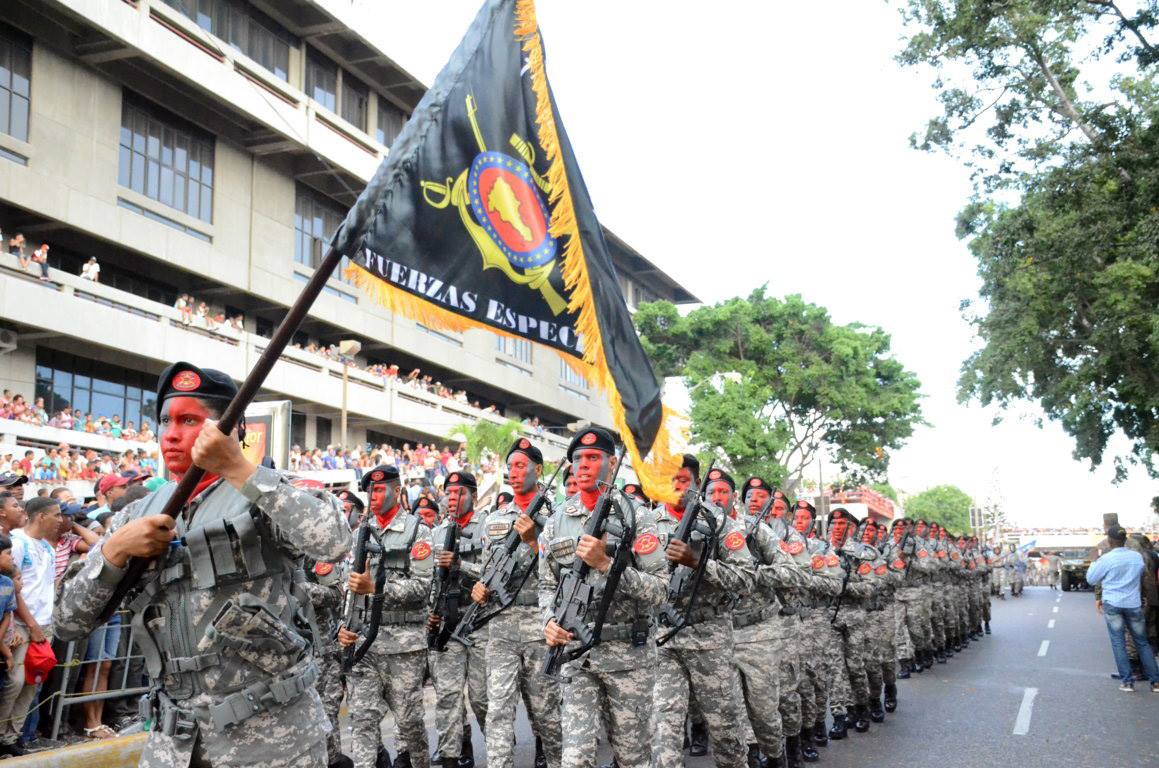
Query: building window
(94, 387)
(166, 160)
(243, 28)
(355, 98)
(569, 377)
(316, 219)
(391, 119)
(322, 80)
(440, 335)
(323, 431)
(298, 429)
(520, 349)
(15, 79)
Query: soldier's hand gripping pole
(136, 566)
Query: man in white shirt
(35, 558)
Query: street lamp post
(347, 348)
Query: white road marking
(1050, 624)
(1054, 609)
(1042, 648)
(1022, 723)
(1058, 599)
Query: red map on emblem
(864, 569)
(588, 439)
(818, 562)
(880, 570)
(832, 561)
(734, 541)
(420, 551)
(323, 569)
(923, 553)
(898, 565)
(645, 544)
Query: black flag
(479, 218)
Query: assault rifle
(750, 532)
(364, 545)
(684, 582)
(502, 577)
(443, 599)
(574, 595)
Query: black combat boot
(467, 753)
(839, 729)
(820, 734)
(403, 760)
(987, 627)
(809, 752)
(382, 760)
(890, 697)
(876, 713)
(452, 762)
(905, 669)
(698, 743)
(861, 718)
(792, 753)
(612, 764)
(540, 758)
(948, 648)
(940, 656)
(920, 662)
(344, 761)
(754, 759)
(780, 761)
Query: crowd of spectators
(425, 463)
(16, 408)
(197, 313)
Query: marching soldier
(698, 658)
(323, 585)
(459, 665)
(851, 688)
(515, 646)
(614, 681)
(888, 572)
(233, 671)
(390, 674)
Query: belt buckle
(184, 728)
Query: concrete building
(208, 148)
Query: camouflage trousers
(331, 687)
(963, 604)
(881, 660)
(457, 669)
(513, 667)
(314, 758)
(984, 590)
(790, 641)
(759, 689)
(973, 607)
(709, 673)
(388, 680)
(620, 699)
(819, 657)
(901, 638)
(851, 683)
(917, 602)
(937, 614)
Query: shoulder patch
(955, 556)
(864, 569)
(421, 550)
(796, 547)
(645, 544)
(923, 553)
(784, 546)
(831, 561)
(818, 562)
(941, 554)
(323, 569)
(734, 541)
(898, 564)
(881, 569)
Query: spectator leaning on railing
(1119, 571)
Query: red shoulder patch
(818, 562)
(783, 546)
(796, 547)
(420, 551)
(941, 554)
(864, 569)
(955, 556)
(646, 544)
(323, 569)
(898, 564)
(831, 561)
(971, 565)
(881, 569)
(923, 553)
(734, 541)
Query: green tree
(886, 490)
(806, 384)
(1053, 102)
(945, 505)
(484, 435)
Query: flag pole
(236, 409)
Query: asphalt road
(1036, 692)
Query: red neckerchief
(462, 521)
(206, 480)
(589, 498)
(523, 500)
(384, 520)
(679, 515)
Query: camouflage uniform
(323, 586)
(850, 628)
(919, 611)
(613, 681)
(460, 666)
(515, 651)
(764, 648)
(391, 672)
(230, 595)
(699, 657)
(888, 572)
(816, 638)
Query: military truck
(1075, 563)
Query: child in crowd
(7, 602)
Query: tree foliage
(484, 435)
(886, 490)
(946, 505)
(1053, 105)
(806, 384)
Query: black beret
(352, 497)
(464, 479)
(632, 489)
(383, 473)
(803, 504)
(592, 437)
(756, 482)
(841, 513)
(567, 473)
(425, 502)
(187, 380)
(720, 475)
(503, 499)
(692, 463)
(524, 446)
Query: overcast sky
(738, 143)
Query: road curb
(111, 753)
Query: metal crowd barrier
(125, 676)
